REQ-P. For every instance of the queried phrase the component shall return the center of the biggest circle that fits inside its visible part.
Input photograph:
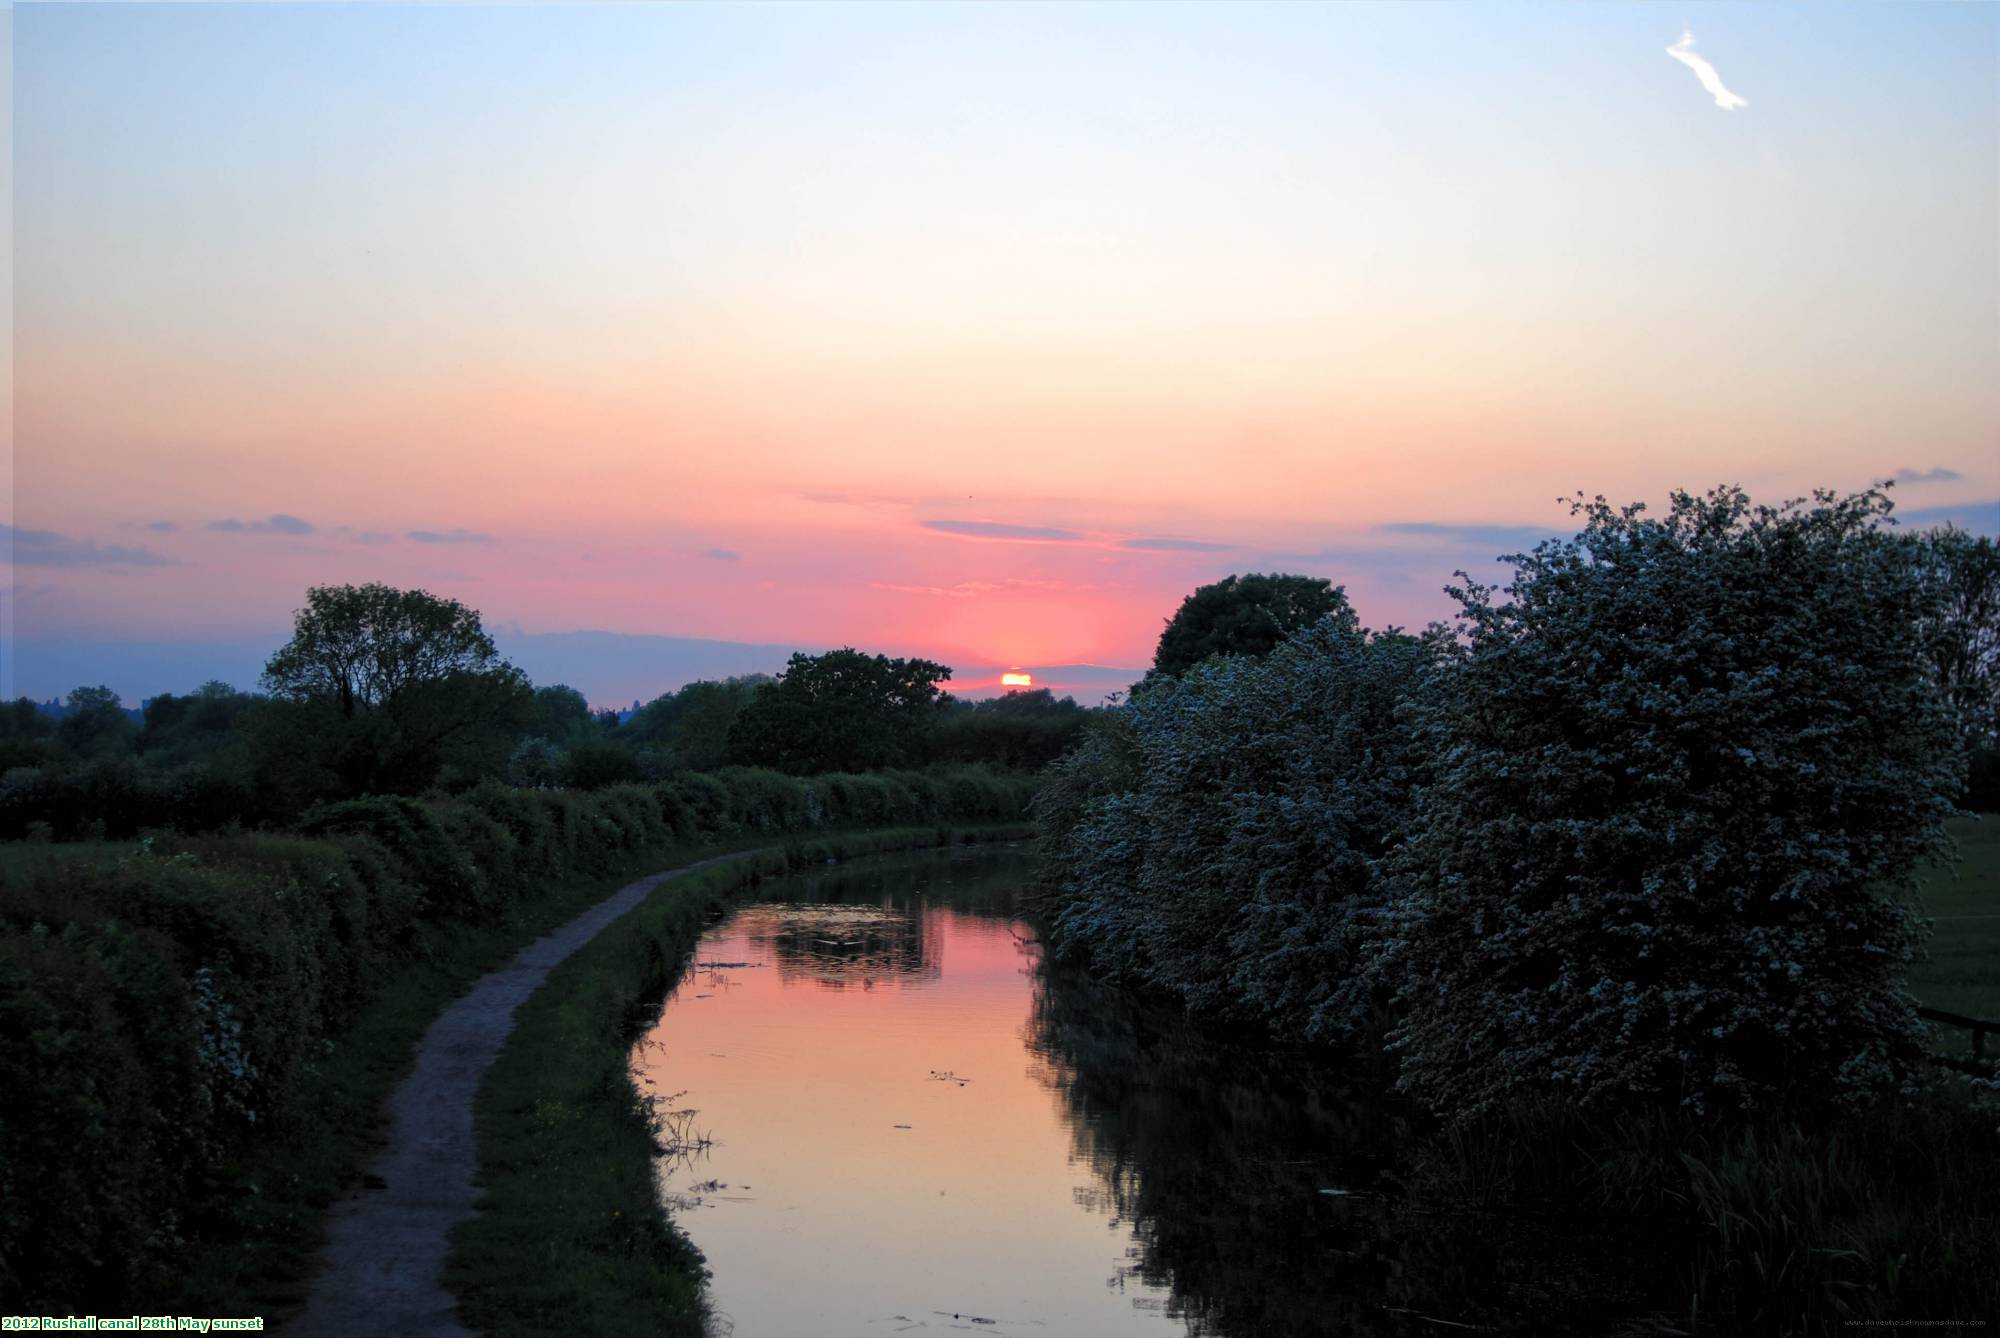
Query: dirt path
(382, 1271)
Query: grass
(1961, 970)
(571, 1236)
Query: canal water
(884, 1114)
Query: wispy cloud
(1683, 51)
(44, 548)
(1472, 536)
(1174, 546)
(364, 536)
(722, 554)
(449, 537)
(1973, 517)
(1927, 476)
(972, 589)
(160, 526)
(276, 524)
(986, 529)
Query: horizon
(807, 327)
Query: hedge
(160, 1001)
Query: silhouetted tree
(691, 727)
(592, 764)
(1243, 615)
(560, 714)
(841, 711)
(196, 726)
(1021, 730)
(96, 724)
(27, 735)
(388, 688)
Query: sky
(980, 332)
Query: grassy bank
(571, 1235)
(1960, 972)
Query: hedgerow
(160, 1001)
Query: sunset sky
(978, 332)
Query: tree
(27, 735)
(23, 719)
(197, 726)
(593, 764)
(560, 714)
(391, 686)
(1020, 730)
(95, 724)
(369, 646)
(841, 711)
(1679, 779)
(691, 727)
(1961, 642)
(1243, 615)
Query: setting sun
(1013, 680)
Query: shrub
(159, 1003)
(1675, 776)
(1226, 841)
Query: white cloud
(1683, 51)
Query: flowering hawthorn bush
(1679, 781)
(1222, 837)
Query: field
(1961, 971)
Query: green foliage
(691, 727)
(27, 736)
(1961, 647)
(162, 1006)
(592, 764)
(1244, 615)
(1960, 635)
(1675, 775)
(841, 711)
(1021, 731)
(396, 689)
(1225, 841)
(23, 719)
(206, 726)
(96, 725)
(560, 714)
(117, 797)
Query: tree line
(386, 691)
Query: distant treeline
(385, 691)
(164, 1005)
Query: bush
(159, 1003)
(1225, 842)
(1680, 777)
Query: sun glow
(1014, 680)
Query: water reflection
(1258, 1185)
(916, 1125)
(841, 945)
